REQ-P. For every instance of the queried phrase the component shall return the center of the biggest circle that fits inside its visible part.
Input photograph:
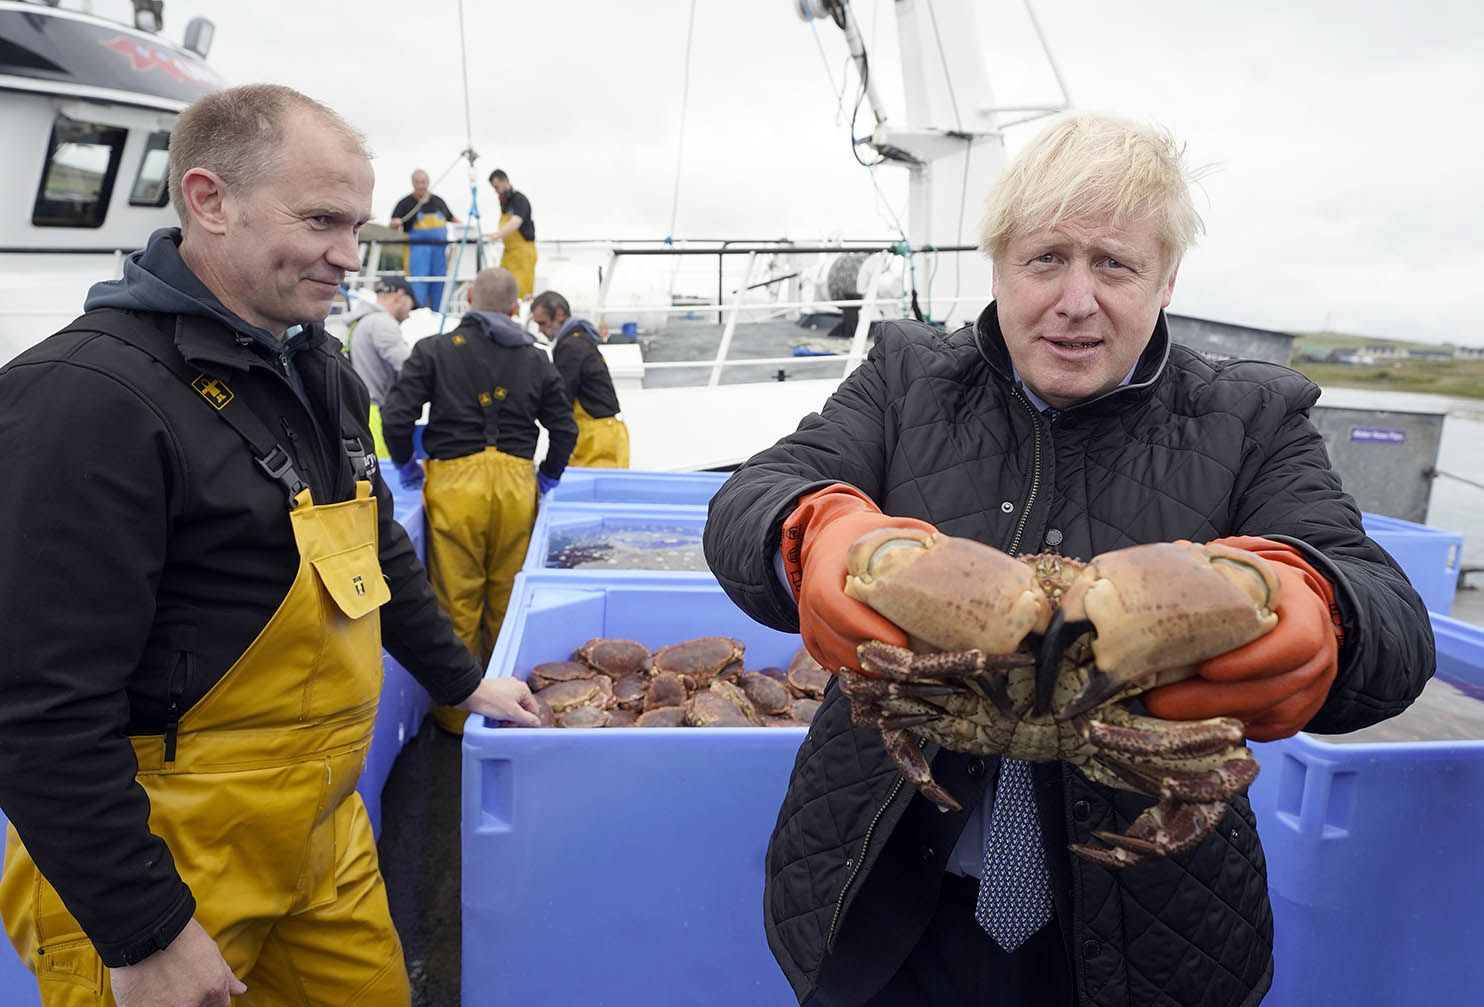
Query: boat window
(152, 184)
(81, 165)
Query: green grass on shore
(1459, 378)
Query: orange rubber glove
(816, 538)
(1276, 683)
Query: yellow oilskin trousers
(520, 258)
(259, 807)
(601, 443)
(480, 510)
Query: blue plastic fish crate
(580, 485)
(1429, 556)
(1374, 860)
(620, 866)
(672, 525)
(17, 984)
(403, 703)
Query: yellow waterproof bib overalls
(480, 509)
(601, 443)
(255, 792)
(519, 257)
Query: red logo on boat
(144, 57)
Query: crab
(700, 660)
(552, 672)
(614, 658)
(768, 695)
(721, 705)
(1043, 659)
(805, 677)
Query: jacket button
(976, 768)
(1006, 507)
(927, 853)
(1082, 811)
(1053, 537)
(1091, 949)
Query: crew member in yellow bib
(200, 571)
(602, 438)
(488, 386)
(517, 230)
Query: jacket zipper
(180, 677)
(829, 941)
(1030, 500)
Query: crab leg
(1167, 827)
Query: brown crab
(613, 657)
(721, 705)
(1105, 632)
(700, 660)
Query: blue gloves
(410, 473)
(545, 482)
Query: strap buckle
(279, 466)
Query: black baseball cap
(394, 284)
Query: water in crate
(654, 546)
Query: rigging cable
(690, 31)
(963, 195)
(473, 220)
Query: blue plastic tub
(639, 525)
(1375, 863)
(404, 703)
(620, 866)
(17, 984)
(1429, 556)
(580, 485)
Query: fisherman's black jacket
(137, 528)
(934, 427)
(585, 374)
(488, 387)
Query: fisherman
(376, 346)
(602, 438)
(517, 230)
(425, 217)
(201, 567)
(489, 386)
(1064, 420)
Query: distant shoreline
(1454, 379)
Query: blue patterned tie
(1015, 887)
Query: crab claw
(947, 593)
(1156, 610)
(1060, 635)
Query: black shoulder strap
(214, 392)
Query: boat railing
(730, 304)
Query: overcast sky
(1346, 191)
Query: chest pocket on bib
(353, 579)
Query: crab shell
(768, 695)
(699, 660)
(564, 696)
(552, 672)
(614, 658)
(805, 677)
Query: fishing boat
(536, 915)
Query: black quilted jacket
(933, 427)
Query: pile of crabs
(1043, 658)
(696, 683)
